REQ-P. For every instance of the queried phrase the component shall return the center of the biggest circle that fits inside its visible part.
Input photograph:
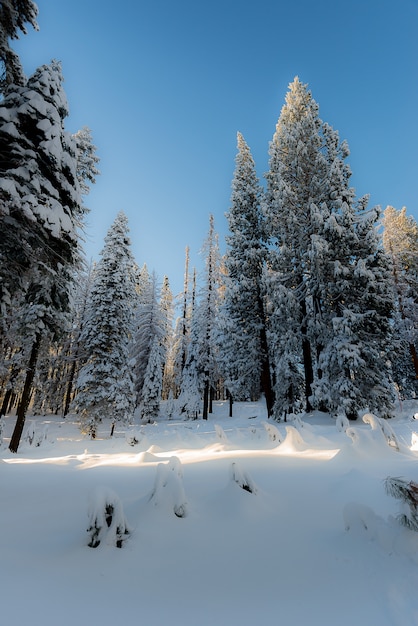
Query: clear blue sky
(165, 85)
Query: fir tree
(243, 349)
(327, 258)
(41, 212)
(14, 15)
(400, 240)
(104, 384)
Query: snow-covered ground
(311, 539)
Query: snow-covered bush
(407, 492)
(35, 435)
(242, 479)
(273, 432)
(107, 520)
(168, 488)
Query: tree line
(313, 304)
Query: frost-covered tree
(296, 182)
(104, 384)
(150, 323)
(40, 214)
(326, 256)
(243, 349)
(400, 240)
(14, 15)
(204, 323)
(153, 382)
(181, 335)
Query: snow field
(281, 553)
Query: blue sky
(165, 86)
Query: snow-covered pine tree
(296, 182)
(181, 332)
(400, 240)
(204, 333)
(327, 254)
(14, 15)
(243, 345)
(190, 389)
(149, 323)
(104, 384)
(167, 313)
(41, 212)
(153, 383)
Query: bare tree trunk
(26, 394)
(205, 400)
(307, 359)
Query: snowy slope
(311, 540)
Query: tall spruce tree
(104, 384)
(205, 318)
(41, 213)
(400, 240)
(14, 15)
(326, 258)
(244, 352)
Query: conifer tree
(244, 349)
(205, 318)
(104, 384)
(14, 15)
(400, 240)
(41, 213)
(327, 255)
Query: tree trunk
(6, 402)
(231, 402)
(205, 400)
(307, 359)
(26, 394)
(69, 389)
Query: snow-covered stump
(242, 479)
(107, 520)
(168, 488)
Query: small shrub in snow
(133, 437)
(107, 521)
(168, 487)
(273, 432)
(242, 479)
(381, 424)
(342, 423)
(220, 434)
(36, 435)
(407, 492)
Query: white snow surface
(314, 542)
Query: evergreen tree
(296, 182)
(205, 319)
(104, 384)
(14, 15)
(243, 337)
(153, 383)
(41, 212)
(326, 255)
(400, 240)
(150, 323)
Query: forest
(312, 306)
